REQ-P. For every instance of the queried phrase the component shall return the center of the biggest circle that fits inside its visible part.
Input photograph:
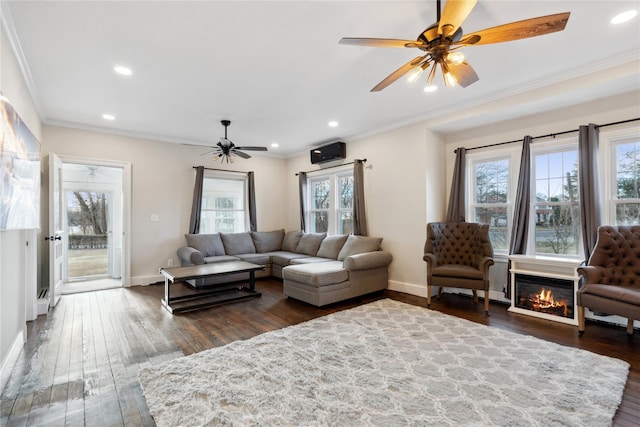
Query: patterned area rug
(387, 364)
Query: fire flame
(544, 301)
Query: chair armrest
(190, 256)
(484, 265)
(431, 260)
(591, 273)
(367, 260)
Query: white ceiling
(276, 70)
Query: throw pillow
(310, 243)
(238, 243)
(331, 245)
(208, 244)
(267, 241)
(291, 240)
(359, 244)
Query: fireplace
(544, 287)
(544, 295)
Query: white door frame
(126, 206)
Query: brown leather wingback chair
(458, 255)
(612, 275)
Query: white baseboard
(12, 357)
(143, 280)
(408, 288)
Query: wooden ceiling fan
(440, 43)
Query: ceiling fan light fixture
(430, 88)
(414, 74)
(449, 80)
(456, 58)
(624, 16)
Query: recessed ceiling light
(275, 145)
(333, 124)
(431, 88)
(108, 117)
(122, 70)
(624, 16)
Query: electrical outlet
(170, 262)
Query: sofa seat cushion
(456, 270)
(316, 274)
(628, 294)
(261, 259)
(309, 260)
(284, 258)
(220, 258)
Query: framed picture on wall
(20, 170)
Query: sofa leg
(475, 295)
(580, 320)
(630, 326)
(428, 295)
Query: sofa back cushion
(291, 240)
(267, 241)
(238, 243)
(310, 243)
(208, 244)
(358, 245)
(331, 245)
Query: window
(626, 194)
(224, 206)
(555, 219)
(490, 194)
(330, 203)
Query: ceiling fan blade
(518, 30)
(241, 154)
(373, 42)
(252, 148)
(463, 73)
(210, 151)
(453, 14)
(399, 73)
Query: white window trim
(333, 210)
(608, 185)
(554, 145)
(232, 176)
(512, 153)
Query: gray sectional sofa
(314, 267)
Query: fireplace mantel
(549, 269)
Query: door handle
(53, 238)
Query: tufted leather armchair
(612, 275)
(458, 255)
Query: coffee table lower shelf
(210, 297)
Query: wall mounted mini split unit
(334, 151)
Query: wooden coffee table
(210, 295)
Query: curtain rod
(331, 167)
(549, 135)
(220, 170)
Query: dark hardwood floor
(80, 363)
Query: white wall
(404, 189)
(13, 280)
(163, 179)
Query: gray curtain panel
(588, 141)
(302, 184)
(520, 226)
(253, 220)
(196, 205)
(359, 214)
(455, 211)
